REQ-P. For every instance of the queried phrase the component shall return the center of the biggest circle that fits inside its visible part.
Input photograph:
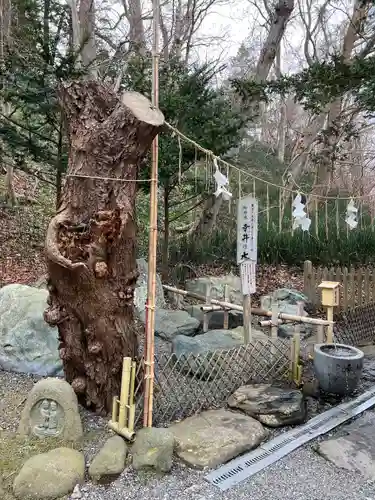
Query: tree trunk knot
(101, 269)
(95, 348)
(79, 385)
(53, 316)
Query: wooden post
(226, 312)
(274, 327)
(320, 334)
(307, 281)
(206, 314)
(151, 284)
(247, 319)
(330, 327)
(297, 345)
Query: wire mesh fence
(356, 326)
(190, 383)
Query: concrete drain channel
(247, 465)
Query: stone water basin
(338, 368)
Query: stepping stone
(50, 475)
(51, 411)
(354, 451)
(214, 437)
(153, 448)
(110, 461)
(272, 406)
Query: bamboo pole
(124, 395)
(151, 284)
(257, 312)
(123, 410)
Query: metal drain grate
(246, 466)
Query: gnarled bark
(90, 243)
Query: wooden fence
(357, 284)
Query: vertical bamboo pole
(151, 284)
(124, 396)
(268, 209)
(131, 417)
(226, 312)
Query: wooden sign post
(247, 250)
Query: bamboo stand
(123, 409)
(151, 284)
(235, 307)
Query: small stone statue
(51, 410)
(53, 418)
(48, 412)
(44, 412)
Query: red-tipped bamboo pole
(151, 285)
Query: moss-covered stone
(153, 448)
(110, 461)
(50, 475)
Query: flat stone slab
(214, 437)
(50, 411)
(272, 406)
(355, 450)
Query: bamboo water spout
(258, 312)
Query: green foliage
(36, 59)
(355, 248)
(191, 103)
(319, 84)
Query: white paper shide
(222, 183)
(351, 215)
(300, 218)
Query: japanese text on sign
(248, 272)
(247, 229)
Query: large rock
(192, 351)
(272, 406)
(51, 411)
(153, 449)
(355, 451)
(27, 343)
(50, 475)
(287, 302)
(170, 323)
(215, 318)
(110, 461)
(215, 437)
(217, 285)
(140, 292)
(211, 341)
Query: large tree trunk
(90, 243)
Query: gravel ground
(302, 475)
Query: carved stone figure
(51, 410)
